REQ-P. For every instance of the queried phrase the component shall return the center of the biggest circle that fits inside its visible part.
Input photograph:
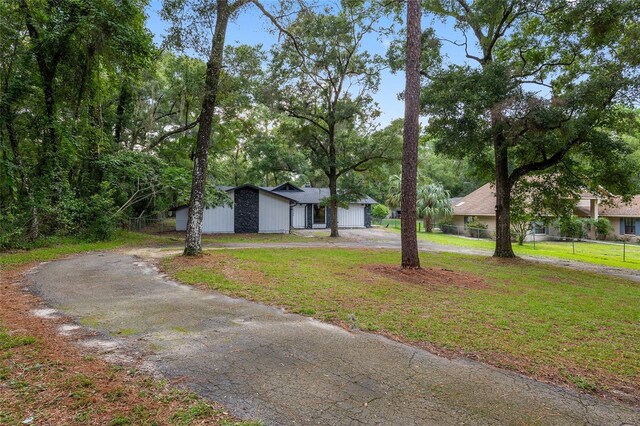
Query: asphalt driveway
(286, 369)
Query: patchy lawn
(555, 324)
(46, 379)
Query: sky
(252, 28)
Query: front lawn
(552, 323)
(598, 253)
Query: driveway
(287, 369)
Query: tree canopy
(544, 91)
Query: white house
(276, 210)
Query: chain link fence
(624, 251)
(465, 231)
(151, 225)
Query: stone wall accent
(246, 210)
(367, 216)
(309, 210)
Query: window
(630, 225)
(538, 228)
(469, 219)
(318, 214)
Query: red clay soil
(428, 277)
(53, 382)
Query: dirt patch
(53, 381)
(429, 277)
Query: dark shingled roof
(300, 195)
(316, 195)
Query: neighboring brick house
(624, 217)
(276, 210)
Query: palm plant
(393, 196)
(433, 201)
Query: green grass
(60, 247)
(580, 327)
(66, 246)
(9, 340)
(606, 254)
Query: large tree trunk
(333, 205)
(333, 178)
(503, 200)
(49, 154)
(428, 223)
(193, 241)
(34, 225)
(410, 257)
(123, 100)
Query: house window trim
(632, 226)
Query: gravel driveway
(286, 369)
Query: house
(277, 209)
(480, 206)
(624, 217)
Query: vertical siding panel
(219, 219)
(274, 214)
(299, 214)
(181, 219)
(353, 217)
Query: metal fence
(445, 229)
(465, 231)
(152, 225)
(547, 245)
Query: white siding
(181, 219)
(353, 217)
(299, 214)
(274, 214)
(217, 220)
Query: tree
(59, 60)
(521, 218)
(321, 76)
(433, 201)
(182, 32)
(410, 257)
(545, 91)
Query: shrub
(572, 227)
(446, 225)
(519, 230)
(476, 229)
(603, 227)
(379, 212)
(99, 218)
